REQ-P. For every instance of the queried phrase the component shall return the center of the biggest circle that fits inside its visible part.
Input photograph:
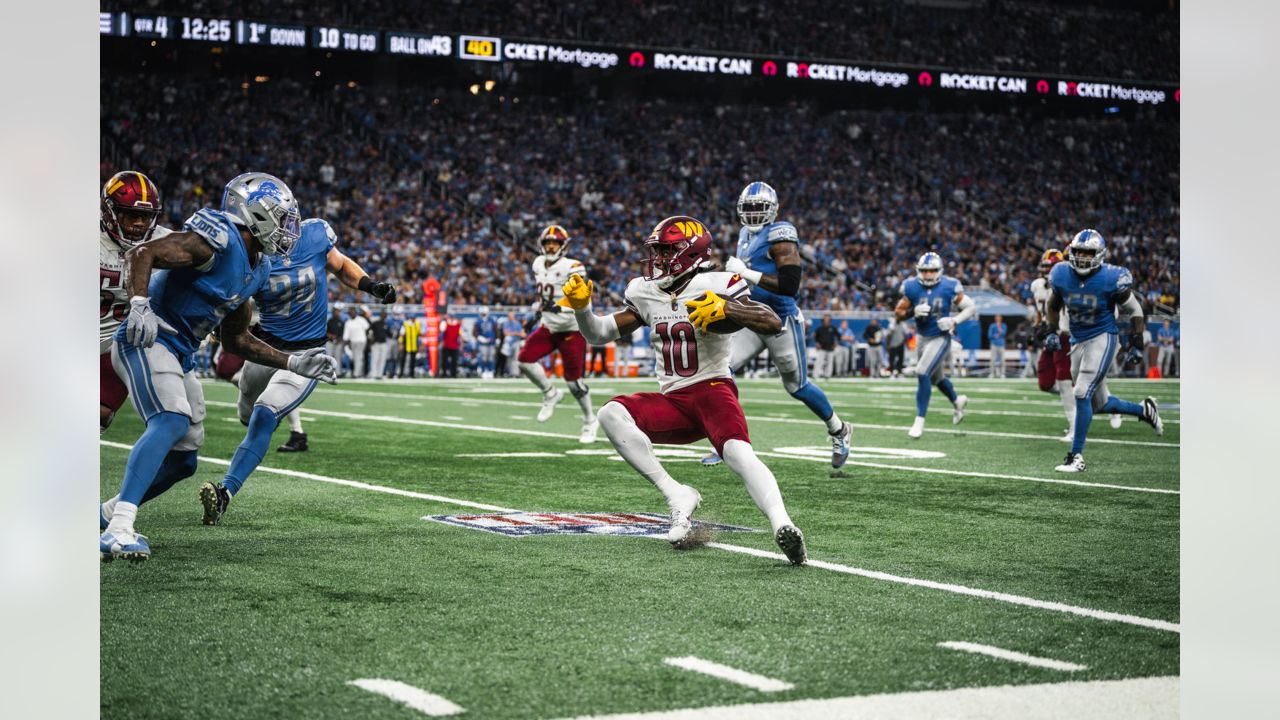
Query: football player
(293, 310)
(130, 206)
(1053, 371)
(679, 301)
(204, 276)
(768, 257)
(1091, 291)
(928, 297)
(557, 331)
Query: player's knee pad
(578, 389)
(193, 439)
(614, 415)
(738, 454)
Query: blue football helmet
(757, 205)
(1087, 251)
(264, 205)
(929, 269)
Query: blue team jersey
(1090, 299)
(294, 304)
(195, 300)
(486, 328)
(939, 296)
(753, 249)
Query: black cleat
(297, 443)
(791, 541)
(1151, 415)
(215, 499)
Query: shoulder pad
(328, 229)
(956, 285)
(1124, 280)
(906, 286)
(783, 232)
(212, 225)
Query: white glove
(946, 324)
(734, 265)
(143, 324)
(315, 364)
(923, 310)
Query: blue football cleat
(712, 459)
(126, 544)
(840, 446)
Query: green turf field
(309, 584)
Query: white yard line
(1133, 699)
(416, 698)
(1012, 656)
(872, 574)
(733, 675)
(511, 455)
(962, 590)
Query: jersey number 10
(679, 348)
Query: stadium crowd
(457, 187)
(1095, 39)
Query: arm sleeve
(789, 280)
(968, 308)
(1131, 308)
(595, 329)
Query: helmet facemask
(929, 269)
(677, 247)
(556, 234)
(1086, 252)
(757, 206)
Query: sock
(248, 456)
(295, 420)
(164, 429)
(834, 424)
(947, 389)
(761, 485)
(1124, 407)
(816, 400)
(923, 390)
(634, 447)
(1084, 416)
(536, 375)
(584, 401)
(122, 517)
(178, 465)
(109, 507)
(1068, 401)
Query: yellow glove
(577, 292)
(706, 310)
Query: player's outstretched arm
(236, 338)
(902, 310)
(175, 250)
(754, 316)
(786, 255)
(596, 329)
(350, 273)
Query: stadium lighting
(488, 85)
(475, 89)
(260, 78)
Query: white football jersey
(113, 304)
(685, 354)
(550, 278)
(1040, 291)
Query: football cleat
(1073, 464)
(215, 499)
(103, 518)
(123, 544)
(840, 445)
(682, 514)
(917, 428)
(549, 401)
(958, 414)
(1151, 415)
(297, 443)
(791, 541)
(589, 430)
(712, 459)
(1116, 420)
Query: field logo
(522, 524)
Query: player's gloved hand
(314, 363)
(705, 310)
(1052, 342)
(577, 292)
(1038, 334)
(1134, 352)
(923, 310)
(143, 323)
(384, 291)
(946, 324)
(734, 265)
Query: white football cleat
(125, 544)
(1073, 464)
(1151, 415)
(549, 401)
(1116, 420)
(958, 414)
(682, 513)
(917, 428)
(589, 430)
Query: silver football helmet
(930, 263)
(264, 205)
(1087, 251)
(757, 205)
